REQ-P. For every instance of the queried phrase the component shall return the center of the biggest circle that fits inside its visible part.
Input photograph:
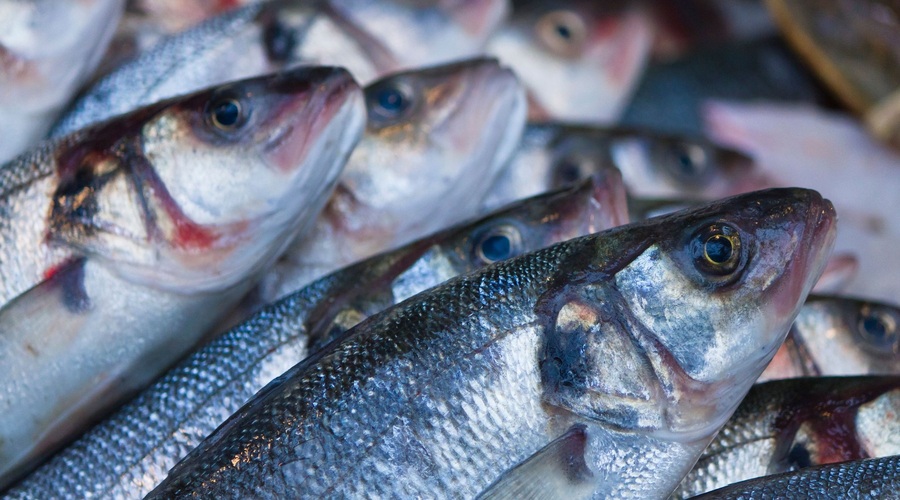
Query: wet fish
(653, 165)
(854, 47)
(579, 59)
(796, 145)
(442, 393)
(787, 425)
(47, 51)
(434, 140)
(168, 216)
(198, 395)
(842, 336)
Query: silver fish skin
(48, 49)
(786, 425)
(131, 452)
(877, 478)
(439, 395)
(252, 40)
(657, 165)
(580, 59)
(170, 217)
(836, 335)
(434, 140)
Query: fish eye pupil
(496, 247)
(569, 171)
(563, 31)
(875, 326)
(686, 163)
(718, 249)
(391, 100)
(226, 113)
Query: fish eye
(877, 326)
(688, 163)
(389, 102)
(568, 171)
(716, 250)
(496, 244)
(562, 31)
(226, 114)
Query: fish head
(200, 191)
(846, 336)
(659, 165)
(434, 139)
(579, 59)
(425, 32)
(698, 304)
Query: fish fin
(557, 470)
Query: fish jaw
(248, 190)
(586, 77)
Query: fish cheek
(591, 366)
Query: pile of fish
(449, 249)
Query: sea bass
(875, 478)
(789, 424)
(555, 154)
(47, 51)
(168, 216)
(434, 140)
(840, 336)
(198, 395)
(646, 336)
(253, 40)
(580, 59)
(796, 145)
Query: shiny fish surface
(170, 217)
(252, 40)
(787, 425)
(131, 452)
(875, 478)
(48, 48)
(653, 165)
(580, 59)
(440, 394)
(434, 140)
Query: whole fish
(169, 216)
(653, 165)
(257, 39)
(48, 48)
(875, 478)
(787, 425)
(647, 335)
(198, 395)
(434, 140)
(580, 59)
(798, 145)
(842, 336)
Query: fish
(873, 478)
(802, 145)
(836, 335)
(442, 393)
(255, 39)
(554, 154)
(792, 424)
(169, 216)
(579, 59)
(48, 49)
(434, 139)
(192, 399)
(854, 47)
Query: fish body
(873, 478)
(169, 216)
(255, 39)
(652, 164)
(440, 394)
(434, 139)
(580, 60)
(786, 425)
(131, 452)
(48, 49)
